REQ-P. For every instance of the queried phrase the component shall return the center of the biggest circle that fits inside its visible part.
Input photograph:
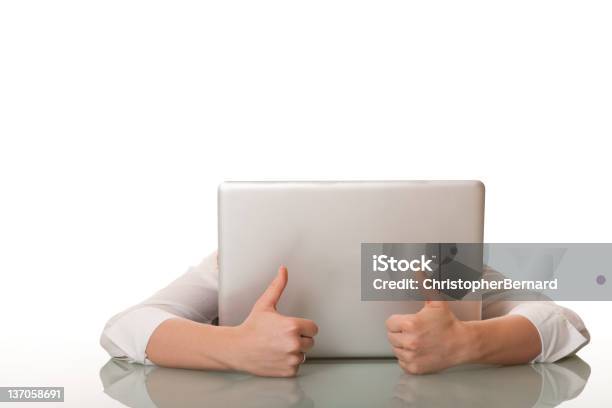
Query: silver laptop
(316, 229)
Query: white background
(119, 118)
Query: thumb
(436, 304)
(429, 294)
(270, 297)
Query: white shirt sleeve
(192, 296)
(562, 332)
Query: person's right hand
(268, 343)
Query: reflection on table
(351, 383)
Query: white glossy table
(349, 383)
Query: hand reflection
(348, 383)
(516, 386)
(184, 388)
(141, 386)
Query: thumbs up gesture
(431, 340)
(273, 345)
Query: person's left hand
(431, 340)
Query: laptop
(316, 229)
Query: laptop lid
(316, 229)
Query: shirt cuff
(558, 336)
(131, 332)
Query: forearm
(505, 340)
(182, 343)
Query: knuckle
(408, 325)
(293, 344)
(289, 372)
(417, 368)
(307, 343)
(407, 355)
(292, 325)
(412, 344)
(293, 360)
(414, 368)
